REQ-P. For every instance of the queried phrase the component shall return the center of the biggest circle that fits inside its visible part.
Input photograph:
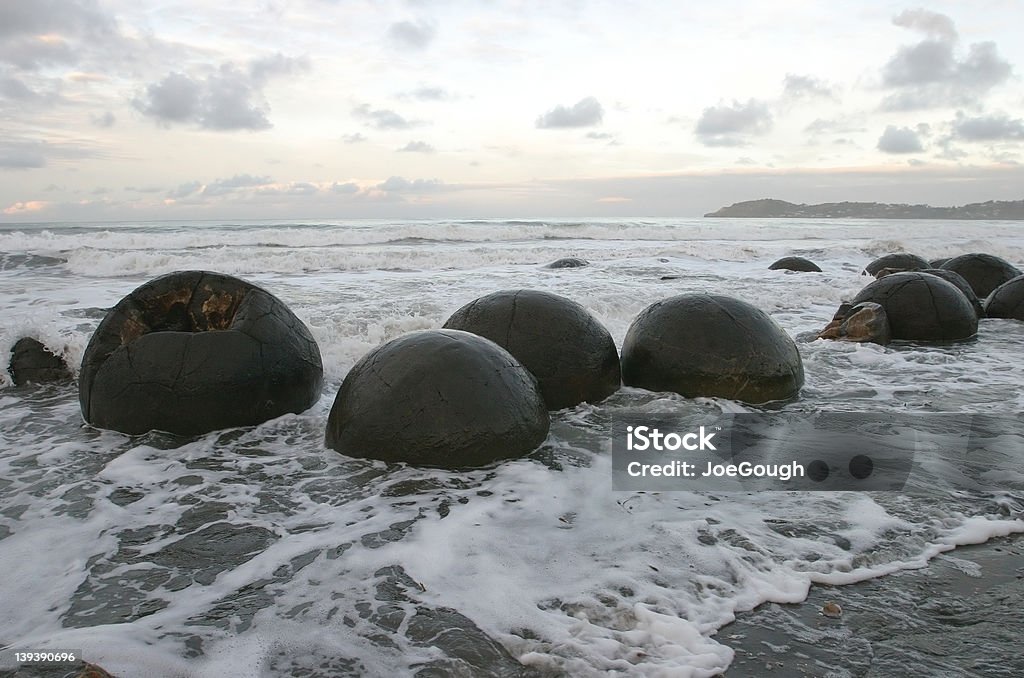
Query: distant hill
(769, 208)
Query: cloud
(931, 74)
(988, 128)
(38, 17)
(27, 206)
(224, 186)
(105, 120)
(382, 118)
(899, 140)
(417, 147)
(299, 188)
(727, 125)
(22, 155)
(403, 185)
(185, 190)
(412, 35)
(230, 98)
(585, 113)
(347, 188)
(599, 135)
(805, 87)
(431, 94)
(353, 138)
(825, 126)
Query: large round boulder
(571, 354)
(1007, 300)
(195, 351)
(711, 345)
(984, 272)
(798, 264)
(937, 263)
(33, 363)
(958, 281)
(899, 261)
(922, 307)
(441, 398)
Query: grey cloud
(353, 138)
(347, 188)
(32, 53)
(585, 113)
(22, 155)
(825, 126)
(78, 17)
(930, 74)
(417, 147)
(382, 118)
(105, 120)
(185, 190)
(228, 99)
(222, 186)
(431, 94)
(403, 185)
(295, 188)
(899, 140)
(600, 135)
(805, 87)
(412, 35)
(726, 125)
(988, 128)
(143, 189)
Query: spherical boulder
(33, 363)
(984, 272)
(568, 262)
(440, 398)
(798, 264)
(937, 263)
(899, 261)
(711, 345)
(195, 351)
(922, 307)
(571, 354)
(958, 281)
(1007, 300)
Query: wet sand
(960, 616)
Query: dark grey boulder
(937, 263)
(922, 307)
(798, 264)
(984, 272)
(440, 398)
(1007, 300)
(568, 262)
(571, 354)
(33, 363)
(899, 261)
(958, 281)
(195, 351)
(711, 345)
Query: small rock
(832, 609)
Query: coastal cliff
(770, 208)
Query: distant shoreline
(769, 208)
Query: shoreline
(959, 616)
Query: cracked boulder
(797, 264)
(571, 354)
(438, 398)
(34, 363)
(1007, 300)
(898, 261)
(984, 272)
(922, 307)
(194, 351)
(711, 345)
(961, 284)
(865, 322)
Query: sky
(129, 110)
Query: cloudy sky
(180, 109)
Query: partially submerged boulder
(1007, 300)
(984, 272)
(571, 354)
(439, 398)
(32, 362)
(958, 281)
(195, 351)
(898, 261)
(568, 262)
(865, 322)
(798, 264)
(711, 345)
(922, 307)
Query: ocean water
(259, 552)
